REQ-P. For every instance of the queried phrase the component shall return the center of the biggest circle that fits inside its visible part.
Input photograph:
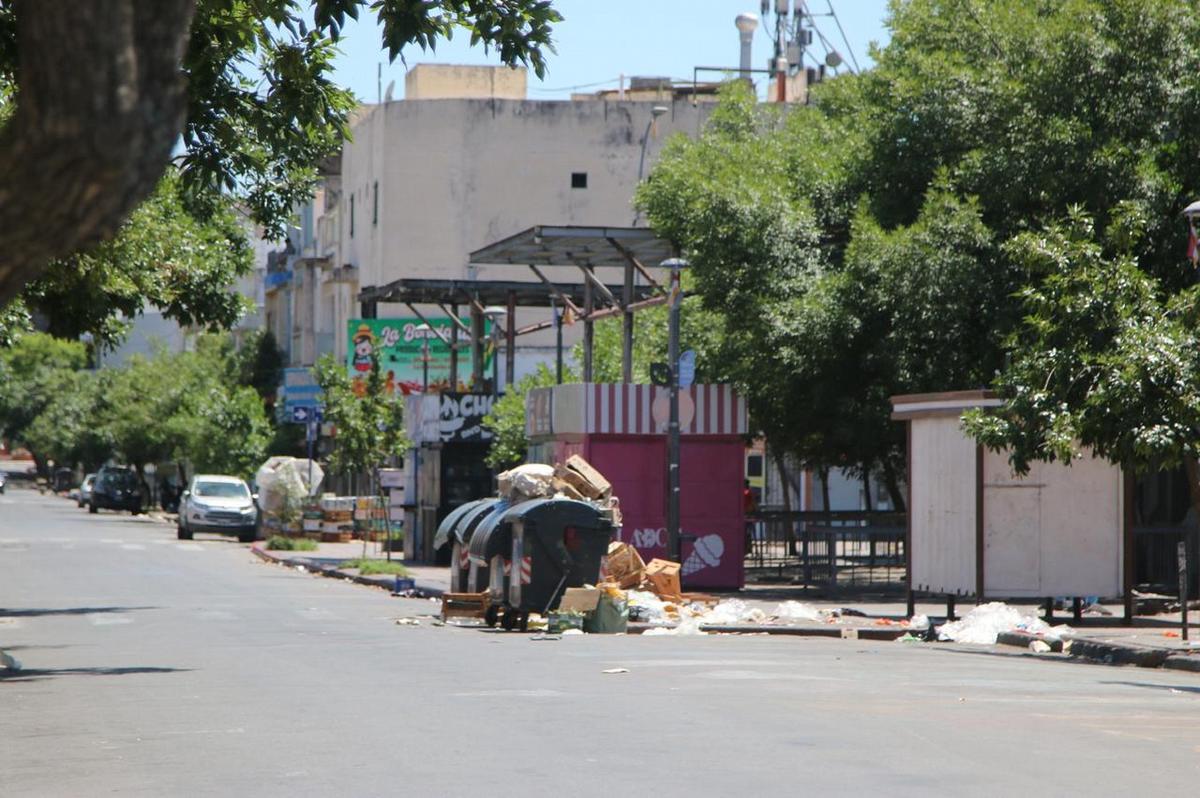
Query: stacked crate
(371, 517)
(337, 519)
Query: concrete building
(463, 161)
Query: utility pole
(675, 298)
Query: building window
(352, 216)
(375, 205)
(579, 180)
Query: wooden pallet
(465, 605)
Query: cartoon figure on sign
(364, 346)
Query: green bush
(280, 543)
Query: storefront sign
(400, 347)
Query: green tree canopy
(862, 246)
(105, 93)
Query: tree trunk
(101, 101)
(866, 481)
(893, 487)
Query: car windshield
(119, 479)
(222, 490)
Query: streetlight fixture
(495, 314)
(675, 301)
(1191, 213)
(655, 113)
(425, 331)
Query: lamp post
(425, 330)
(675, 300)
(1192, 213)
(655, 113)
(495, 314)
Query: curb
(385, 582)
(1119, 653)
(834, 632)
(1182, 662)
(1023, 639)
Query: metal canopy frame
(588, 249)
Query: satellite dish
(387, 95)
(833, 59)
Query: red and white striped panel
(464, 557)
(526, 570)
(623, 409)
(508, 567)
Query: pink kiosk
(621, 430)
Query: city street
(158, 667)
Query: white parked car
(214, 503)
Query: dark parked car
(116, 489)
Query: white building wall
(456, 174)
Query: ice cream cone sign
(707, 553)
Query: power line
(580, 86)
(849, 49)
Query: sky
(598, 40)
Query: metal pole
(558, 344)
(588, 330)
(673, 425)
(510, 339)
(627, 328)
(1181, 553)
(454, 350)
(425, 364)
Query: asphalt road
(160, 668)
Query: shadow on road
(39, 611)
(37, 674)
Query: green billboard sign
(401, 348)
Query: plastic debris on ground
(615, 670)
(983, 624)
(1039, 646)
(797, 611)
(919, 622)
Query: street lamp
(424, 330)
(655, 113)
(675, 301)
(495, 314)
(1191, 213)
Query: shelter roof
(570, 245)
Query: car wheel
(181, 532)
(92, 507)
(246, 535)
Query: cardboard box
(579, 599)
(594, 478)
(663, 576)
(625, 566)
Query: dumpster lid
(447, 526)
(563, 512)
(465, 528)
(492, 535)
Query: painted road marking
(133, 547)
(117, 541)
(189, 547)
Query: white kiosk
(977, 529)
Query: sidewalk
(431, 580)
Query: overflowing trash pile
(284, 485)
(983, 624)
(576, 479)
